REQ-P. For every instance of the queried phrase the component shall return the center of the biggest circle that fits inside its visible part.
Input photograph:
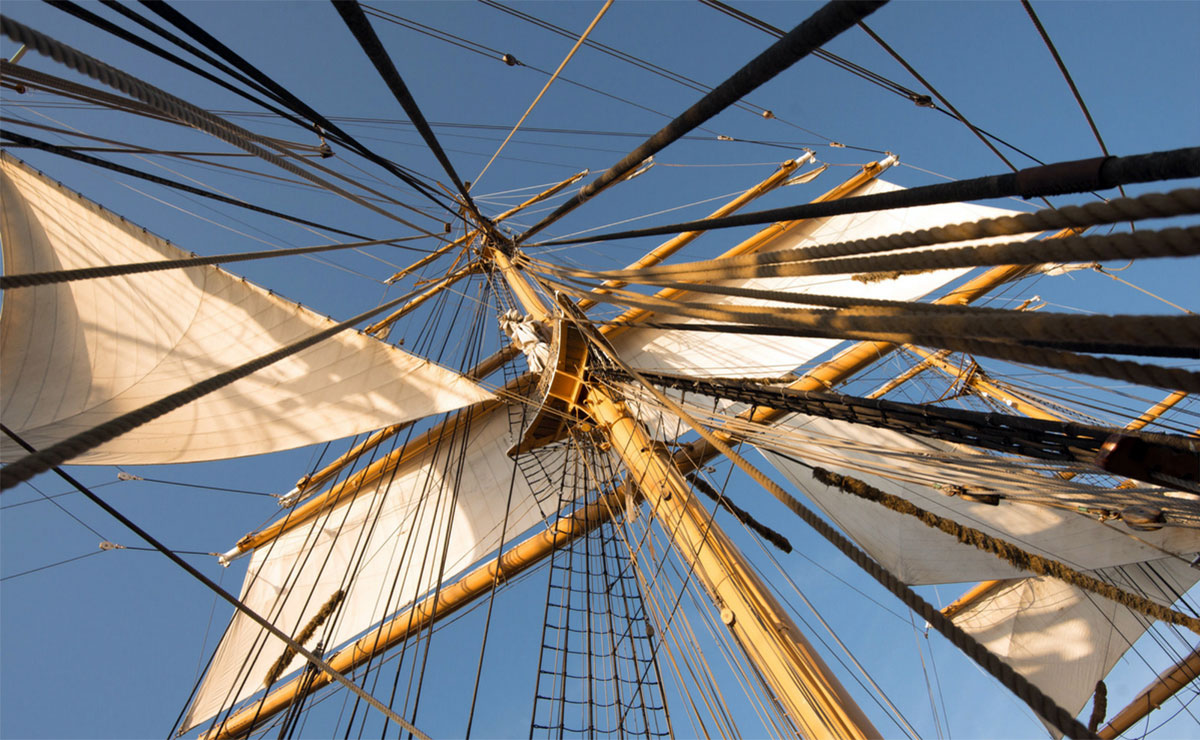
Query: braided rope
(1182, 201)
(165, 103)
(1106, 367)
(1173, 242)
(1044, 705)
(1006, 550)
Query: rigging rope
(89, 17)
(180, 21)
(1018, 684)
(1006, 551)
(554, 76)
(354, 18)
(1046, 440)
(23, 140)
(1179, 202)
(168, 105)
(233, 601)
(821, 27)
(29, 279)
(1062, 67)
(821, 325)
(60, 452)
(740, 514)
(1060, 178)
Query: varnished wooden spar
(1166, 685)
(345, 492)
(755, 243)
(842, 367)
(810, 694)
(671, 246)
(457, 595)
(466, 238)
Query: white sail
(74, 355)
(707, 354)
(384, 549)
(1063, 639)
(913, 468)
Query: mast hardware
(1134, 457)
(558, 391)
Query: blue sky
(109, 646)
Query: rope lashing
(302, 637)
(1007, 551)
(743, 516)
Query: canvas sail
(919, 470)
(1063, 639)
(384, 548)
(707, 354)
(74, 355)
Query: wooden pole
(671, 246)
(497, 360)
(761, 239)
(418, 617)
(1168, 683)
(808, 691)
(465, 238)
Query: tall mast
(803, 685)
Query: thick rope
(1170, 378)
(743, 516)
(352, 14)
(22, 140)
(1007, 551)
(1059, 178)
(1044, 705)
(60, 452)
(1173, 242)
(24, 280)
(1170, 336)
(820, 28)
(168, 105)
(1180, 202)
(302, 637)
(1099, 706)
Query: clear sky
(110, 646)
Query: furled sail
(746, 355)
(74, 355)
(924, 471)
(1063, 639)
(384, 549)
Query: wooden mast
(809, 692)
(348, 489)
(659, 475)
